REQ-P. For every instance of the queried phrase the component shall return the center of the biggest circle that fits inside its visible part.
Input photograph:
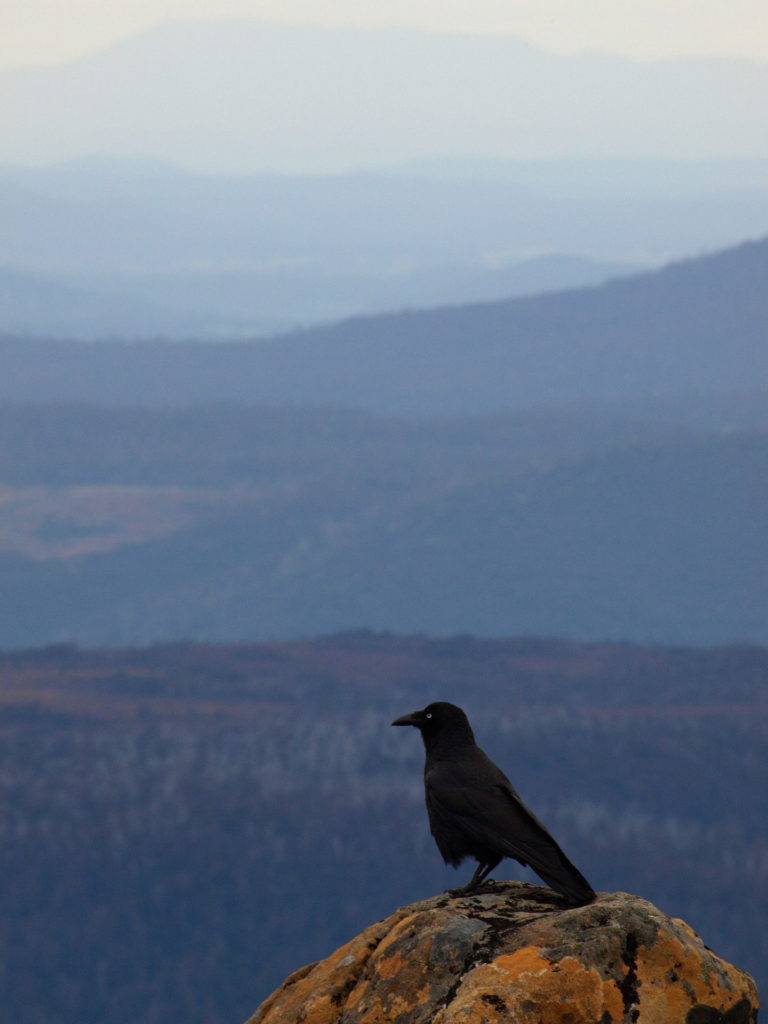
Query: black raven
(475, 812)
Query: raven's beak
(413, 719)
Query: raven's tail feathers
(565, 878)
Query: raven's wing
(470, 799)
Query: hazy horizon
(247, 96)
(46, 32)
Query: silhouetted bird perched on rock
(475, 812)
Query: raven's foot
(469, 888)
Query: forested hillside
(697, 326)
(125, 526)
(182, 826)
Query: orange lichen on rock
(673, 977)
(528, 988)
(516, 953)
(316, 993)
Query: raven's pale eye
(429, 714)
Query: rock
(514, 953)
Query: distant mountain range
(697, 326)
(129, 249)
(339, 172)
(212, 305)
(244, 95)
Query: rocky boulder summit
(512, 952)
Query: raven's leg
(482, 872)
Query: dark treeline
(60, 443)
(64, 444)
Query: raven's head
(437, 718)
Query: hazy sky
(49, 31)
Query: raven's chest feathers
(469, 802)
